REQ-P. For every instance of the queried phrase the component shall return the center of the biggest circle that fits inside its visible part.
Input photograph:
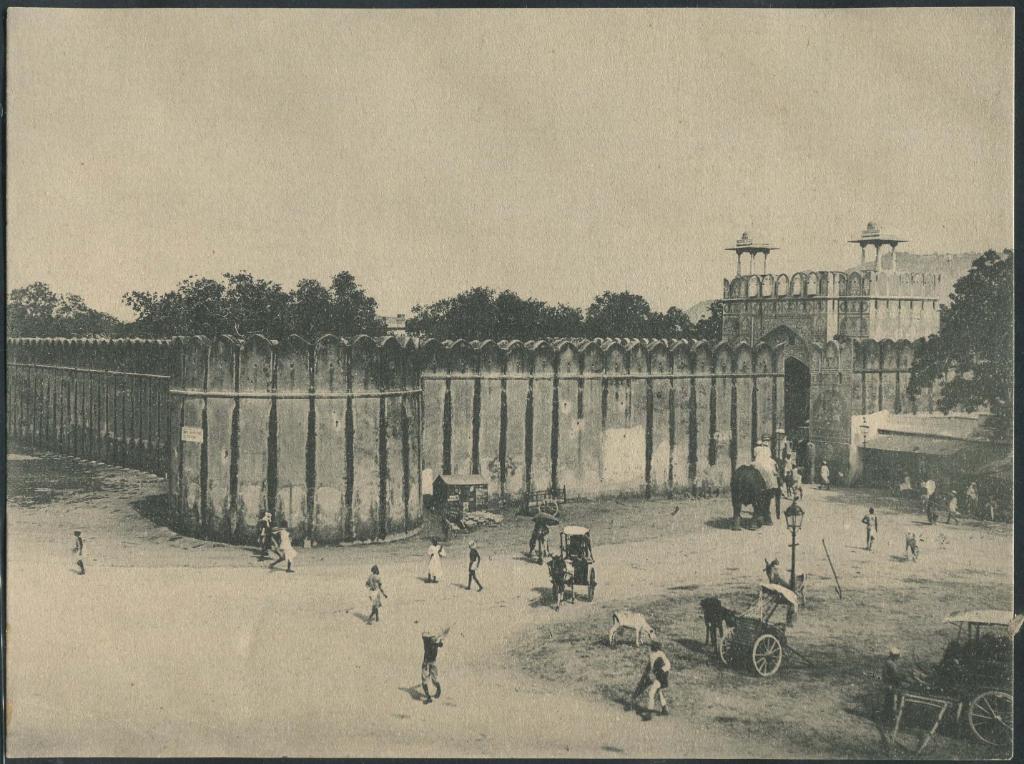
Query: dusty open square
(171, 645)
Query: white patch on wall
(624, 454)
(192, 434)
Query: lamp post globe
(794, 517)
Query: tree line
(972, 354)
(481, 313)
(240, 303)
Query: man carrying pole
(428, 671)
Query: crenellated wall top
(866, 283)
(387, 362)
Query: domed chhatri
(746, 246)
(872, 236)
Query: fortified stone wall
(336, 434)
(597, 417)
(104, 400)
(327, 433)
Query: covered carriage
(973, 681)
(574, 565)
(752, 639)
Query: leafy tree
(196, 306)
(972, 355)
(240, 303)
(481, 313)
(307, 315)
(623, 314)
(673, 324)
(709, 328)
(619, 314)
(256, 305)
(352, 311)
(561, 321)
(37, 311)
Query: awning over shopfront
(964, 455)
(915, 444)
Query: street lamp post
(794, 519)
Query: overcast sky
(555, 153)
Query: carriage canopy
(781, 592)
(987, 618)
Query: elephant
(749, 487)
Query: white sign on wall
(191, 434)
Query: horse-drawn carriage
(974, 679)
(574, 565)
(751, 638)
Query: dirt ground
(174, 646)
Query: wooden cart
(974, 680)
(752, 639)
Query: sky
(557, 153)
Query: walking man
(928, 486)
(474, 565)
(871, 521)
(79, 550)
(892, 681)
(654, 680)
(906, 487)
(285, 550)
(538, 539)
(431, 644)
(953, 509)
(264, 534)
(825, 473)
(798, 483)
(973, 504)
(376, 587)
(911, 548)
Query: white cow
(626, 619)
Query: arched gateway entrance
(797, 383)
(797, 388)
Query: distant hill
(951, 265)
(702, 309)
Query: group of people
(653, 682)
(276, 538)
(432, 641)
(934, 503)
(435, 553)
(910, 542)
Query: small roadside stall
(462, 501)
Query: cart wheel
(766, 654)
(725, 645)
(991, 717)
(591, 585)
